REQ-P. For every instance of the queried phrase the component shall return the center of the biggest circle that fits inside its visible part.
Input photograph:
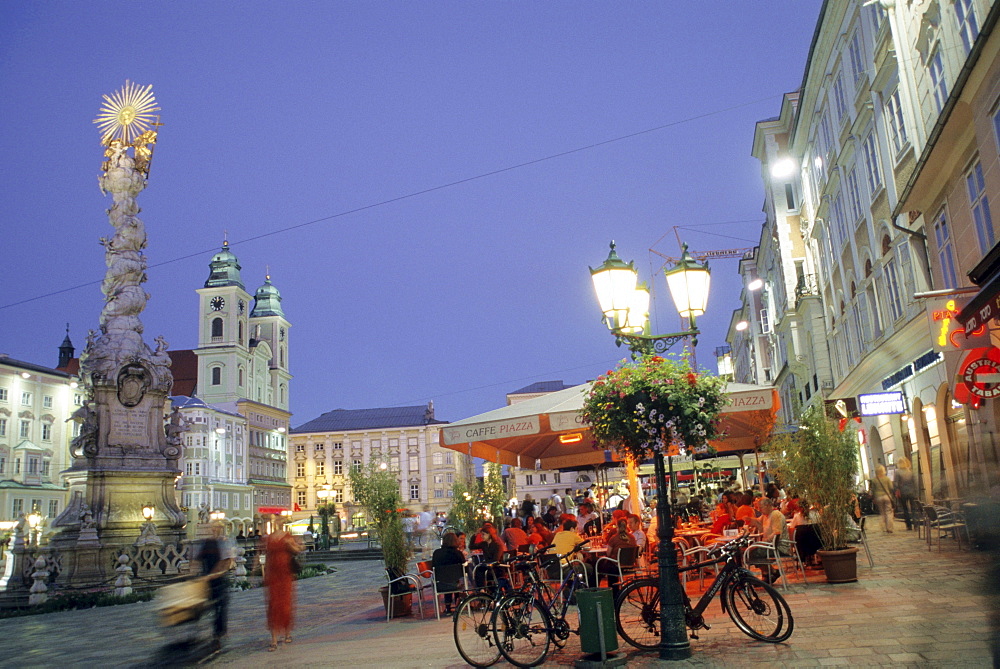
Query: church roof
(184, 367)
(342, 420)
(267, 301)
(224, 269)
(185, 402)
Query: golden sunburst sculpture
(127, 113)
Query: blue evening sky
(346, 113)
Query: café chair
(401, 585)
(447, 579)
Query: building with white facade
(35, 404)
(405, 438)
(853, 161)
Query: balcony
(807, 286)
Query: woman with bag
(882, 492)
(279, 579)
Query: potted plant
(376, 491)
(820, 460)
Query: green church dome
(224, 269)
(267, 301)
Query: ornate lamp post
(324, 494)
(625, 304)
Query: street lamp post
(625, 304)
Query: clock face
(218, 303)
(242, 305)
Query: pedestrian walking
(906, 489)
(279, 579)
(215, 559)
(881, 487)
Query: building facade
(243, 369)
(405, 438)
(860, 162)
(36, 404)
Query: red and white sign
(979, 376)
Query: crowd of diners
(767, 512)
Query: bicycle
(472, 621)
(526, 623)
(757, 609)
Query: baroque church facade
(233, 389)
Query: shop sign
(947, 333)
(986, 313)
(979, 376)
(880, 404)
(498, 429)
(900, 375)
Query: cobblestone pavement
(914, 608)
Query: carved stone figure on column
(85, 443)
(175, 429)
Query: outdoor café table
(693, 535)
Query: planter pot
(402, 605)
(841, 566)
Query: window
(449, 478)
(3, 464)
(529, 480)
(414, 463)
(438, 492)
(216, 328)
(32, 466)
(437, 459)
(839, 222)
(16, 507)
(78, 399)
(320, 468)
(897, 128)
(839, 100)
(338, 495)
(3, 394)
(854, 195)
(870, 154)
(17, 465)
(47, 401)
(449, 459)
(946, 253)
(319, 447)
(414, 491)
(25, 432)
(356, 465)
(338, 445)
(892, 295)
(543, 479)
(241, 377)
(980, 206)
(300, 469)
(26, 398)
(939, 87)
(53, 508)
(857, 56)
(46, 432)
(3, 427)
(394, 463)
(789, 196)
(338, 467)
(556, 478)
(300, 498)
(216, 376)
(968, 26)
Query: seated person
(722, 521)
(746, 513)
(564, 541)
(448, 554)
(619, 539)
(774, 525)
(515, 537)
(489, 542)
(635, 529)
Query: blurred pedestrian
(881, 487)
(214, 560)
(279, 579)
(906, 489)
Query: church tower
(66, 351)
(269, 327)
(223, 332)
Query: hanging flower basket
(655, 405)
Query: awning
(548, 429)
(982, 308)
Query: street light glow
(741, 326)
(784, 167)
(756, 284)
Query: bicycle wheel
(521, 628)
(637, 614)
(473, 635)
(758, 610)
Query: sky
(426, 182)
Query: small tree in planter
(821, 461)
(376, 490)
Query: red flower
(692, 378)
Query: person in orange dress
(279, 579)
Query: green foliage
(376, 490)
(646, 406)
(79, 600)
(476, 501)
(312, 571)
(821, 462)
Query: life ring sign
(979, 376)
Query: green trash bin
(591, 624)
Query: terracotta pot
(402, 605)
(841, 566)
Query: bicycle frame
(732, 570)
